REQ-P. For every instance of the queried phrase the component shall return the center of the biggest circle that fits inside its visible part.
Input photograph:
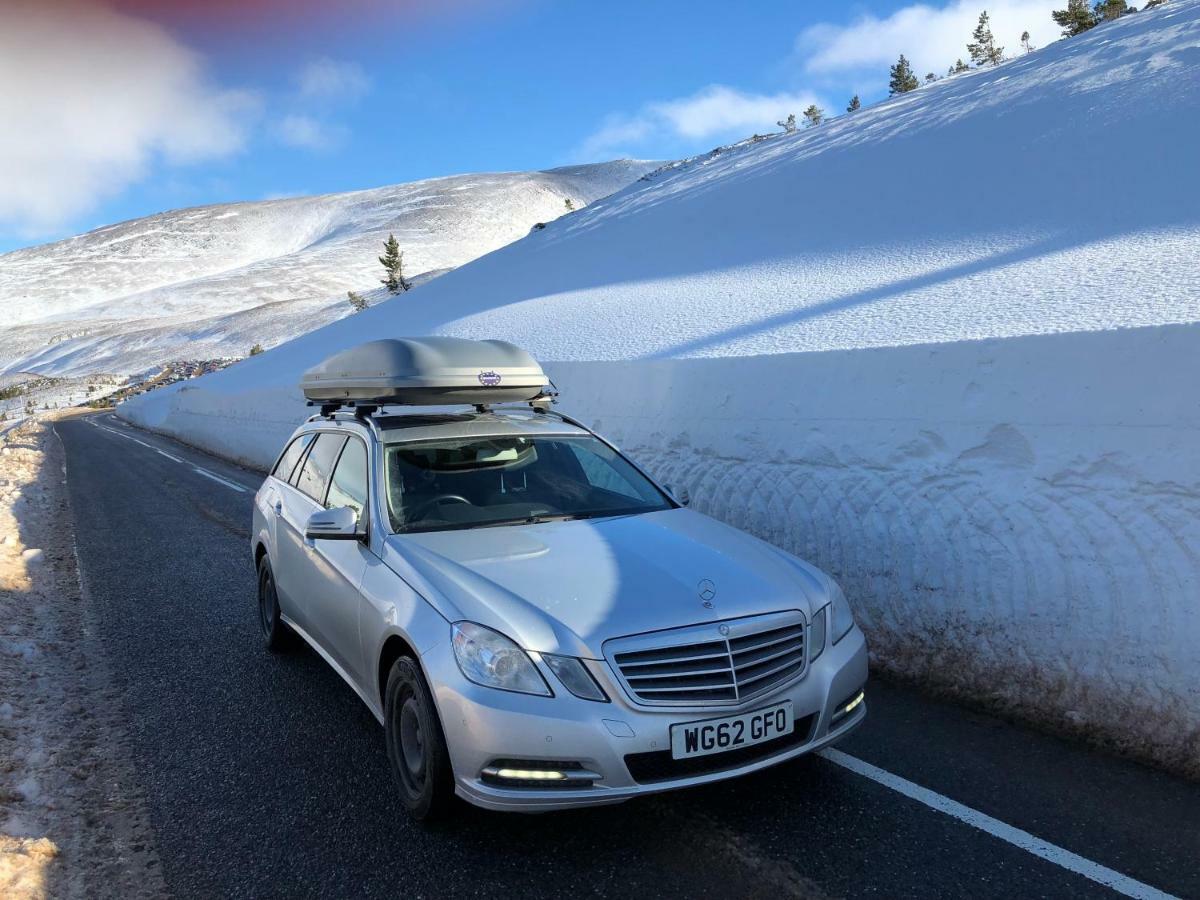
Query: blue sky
(130, 113)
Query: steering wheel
(440, 498)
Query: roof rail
(365, 409)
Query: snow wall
(1016, 521)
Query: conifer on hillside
(854, 105)
(983, 49)
(393, 264)
(1076, 18)
(903, 80)
(814, 115)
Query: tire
(416, 745)
(276, 635)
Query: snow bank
(1015, 520)
(945, 347)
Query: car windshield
(512, 480)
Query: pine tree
(1108, 10)
(788, 124)
(930, 78)
(855, 104)
(1025, 44)
(1076, 18)
(570, 206)
(958, 68)
(903, 80)
(814, 115)
(983, 49)
(256, 349)
(393, 263)
(357, 300)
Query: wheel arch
(393, 648)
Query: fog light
(530, 775)
(519, 773)
(848, 707)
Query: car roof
(457, 423)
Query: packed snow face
(213, 281)
(940, 347)
(1014, 520)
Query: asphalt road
(266, 776)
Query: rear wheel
(416, 747)
(276, 635)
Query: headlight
(842, 620)
(489, 658)
(575, 677)
(816, 634)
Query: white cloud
(93, 97)
(715, 112)
(329, 79)
(845, 59)
(932, 37)
(302, 131)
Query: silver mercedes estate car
(536, 623)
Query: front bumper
(482, 725)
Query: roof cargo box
(430, 371)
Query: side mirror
(682, 497)
(340, 524)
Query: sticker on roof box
(489, 378)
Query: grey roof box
(429, 371)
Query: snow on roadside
(71, 824)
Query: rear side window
(348, 486)
(287, 463)
(314, 476)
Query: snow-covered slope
(212, 281)
(978, 263)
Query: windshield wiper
(536, 519)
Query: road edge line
(1052, 853)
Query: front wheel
(276, 635)
(416, 747)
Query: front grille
(700, 665)
(657, 765)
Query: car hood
(566, 587)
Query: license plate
(731, 732)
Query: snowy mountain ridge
(211, 281)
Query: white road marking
(1044, 849)
(219, 479)
(199, 471)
